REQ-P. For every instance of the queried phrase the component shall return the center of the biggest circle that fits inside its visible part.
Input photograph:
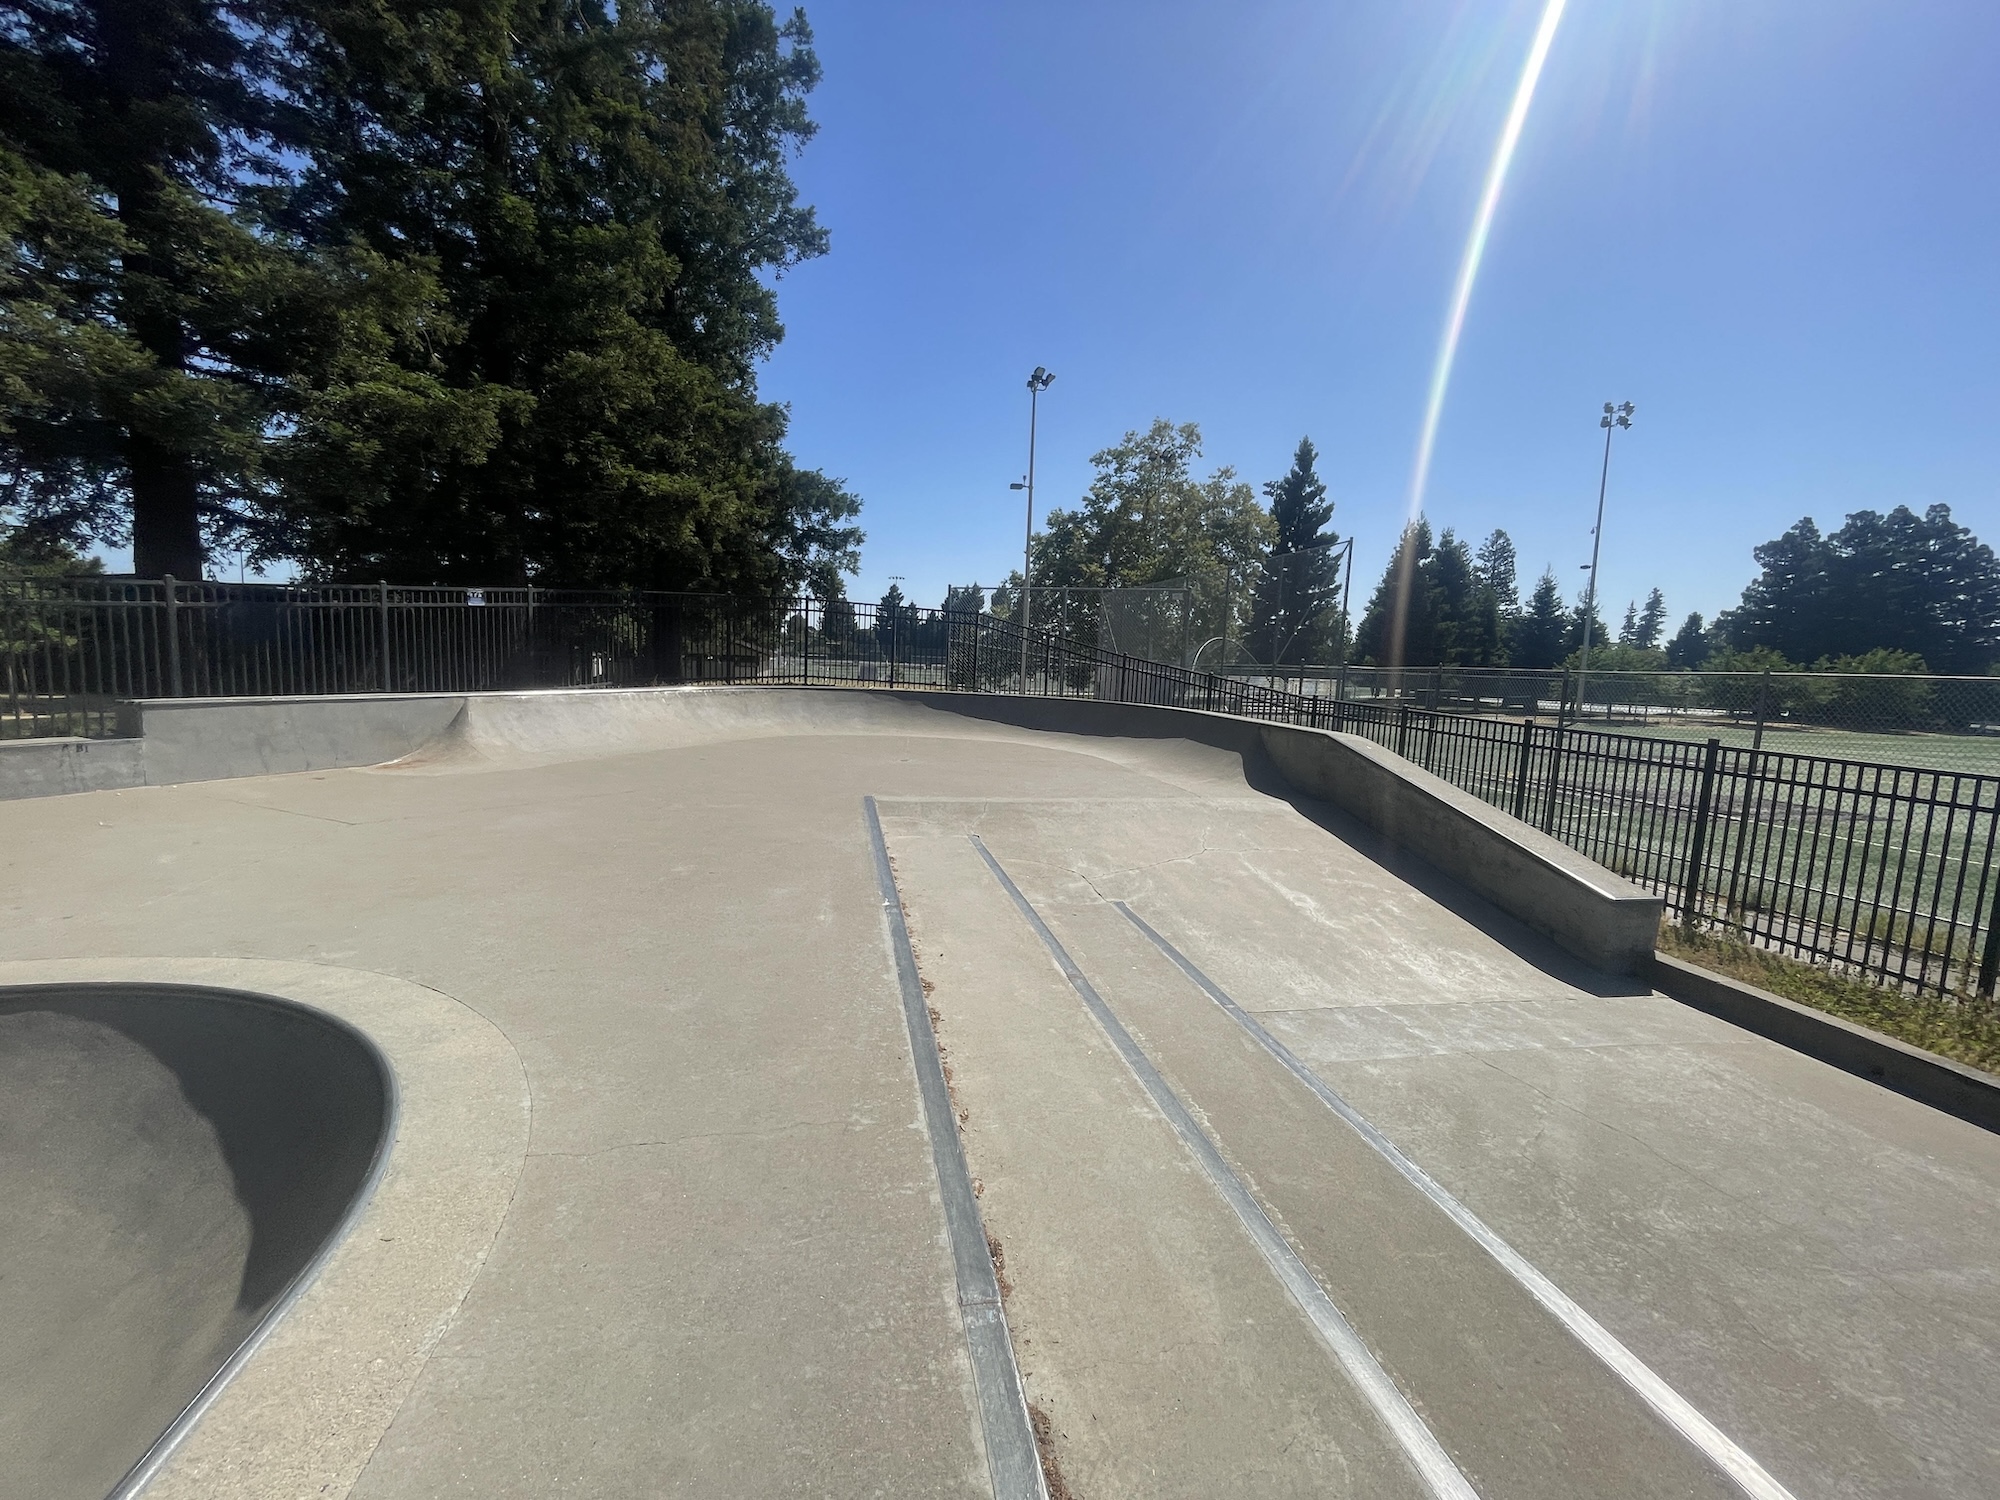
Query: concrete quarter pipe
(173, 1159)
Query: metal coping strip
(1434, 1466)
(1012, 1460)
(1747, 1474)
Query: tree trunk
(166, 520)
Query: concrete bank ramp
(564, 725)
(172, 1159)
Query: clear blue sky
(1773, 224)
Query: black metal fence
(1950, 723)
(1887, 870)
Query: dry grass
(1966, 1031)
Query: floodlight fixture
(1616, 415)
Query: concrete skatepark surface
(172, 1158)
(702, 1252)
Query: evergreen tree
(1584, 611)
(1921, 585)
(1788, 606)
(895, 621)
(1298, 588)
(969, 599)
(1690, 647)
(600, 195)
(1398, 628)
(470, 291)
(1540, 637)
(137, 346)
(1652, 622)
(1456, 603)
(1497, 574)
(1628, 629)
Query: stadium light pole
(1038, 382)
(1614, 418)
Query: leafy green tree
(969, 599)
(1147, 520)
(1690, 646)
(1399, 628)
(38, 552)
(1298, 589)
(1540, 636)
(1618, 656)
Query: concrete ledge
(56, 767)
(213, 739)
(1603, 919)
(1956, 1089)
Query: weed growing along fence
(1885, 869)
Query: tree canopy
(1438, 605)
(469, 292)
(1923, 586)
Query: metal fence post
(1521, 769)
(1763, 709)
(1403, 728)
(1698, 842)
(1555, 780)
(895, 630)
(382, 610)
(173, 636)
(1989, 958)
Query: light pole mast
(1038, 382)
(1614, 417)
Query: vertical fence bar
(173, 637)
(383, 619)
(1698, 839)
(1526, 757)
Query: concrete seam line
(1013, 1462)
(1440, 1476)
(1747, 1474)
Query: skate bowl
(176, 1161)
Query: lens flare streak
(1475, 245)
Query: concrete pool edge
(303, 1405)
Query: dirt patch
(1045, 1444)
(1966, 1031)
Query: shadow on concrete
(175, 1158)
